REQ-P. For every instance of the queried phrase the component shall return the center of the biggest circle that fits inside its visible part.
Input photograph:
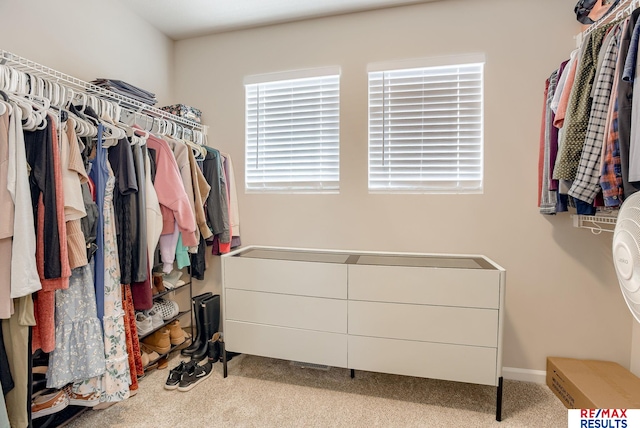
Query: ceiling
(181, 19)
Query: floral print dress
(79, 352)
(116, 380)
(113, 385)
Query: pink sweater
(174, 202)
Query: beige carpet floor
(264, 392)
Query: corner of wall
(525, 375)
(173, 97)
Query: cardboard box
(591, 384)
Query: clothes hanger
(82, 127)
(198, 151)
(165, 126)
(140, 136)
(35, 109)
(5, 105)
(16, 87)
(157, 125)
(111, 130)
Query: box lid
(605, 383)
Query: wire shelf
(31, 67)
(596, 223)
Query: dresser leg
(353, 373)
(224, 359)
(499, 400)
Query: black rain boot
(211, 311)
(197, 312)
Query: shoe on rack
(167, 308)
(148, 354)
(172, 280)
(176, 334)
(185, 344)
(194, 374)
(86, 400)
(158, 341)
(48, 404)
(144, 323)
(157, 283)
(155, 316)
(175, 374)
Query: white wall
(89, 39)
(562, 296)
(562, 293)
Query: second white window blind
(426, 129)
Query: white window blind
(426, 129)
(292, 135)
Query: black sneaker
(194, 374)
(175, 375)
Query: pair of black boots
(206, 309)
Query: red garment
(131, 333)
(92, 188)
(141, 292)
(225, 247)
(44, 303)
(558, 121)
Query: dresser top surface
(361, 258)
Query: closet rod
(27, 66)
(622, 10)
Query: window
(426, 128)
(292, 132)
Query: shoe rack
(37, 383)
(73, 411)
(181, 315)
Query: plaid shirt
(611, 177)
(586, 184)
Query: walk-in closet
(344, 213)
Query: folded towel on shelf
(127, 90)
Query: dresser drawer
(286, 343)
(284, 310)
(287, 277)
(474, 288)
(423, 359)
(463, 326)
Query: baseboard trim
(524, 375)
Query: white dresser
(426, 315)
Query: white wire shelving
(605, 222)
(31, 67)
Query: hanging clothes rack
(603, 222)
(621, 10)
(80, 86)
